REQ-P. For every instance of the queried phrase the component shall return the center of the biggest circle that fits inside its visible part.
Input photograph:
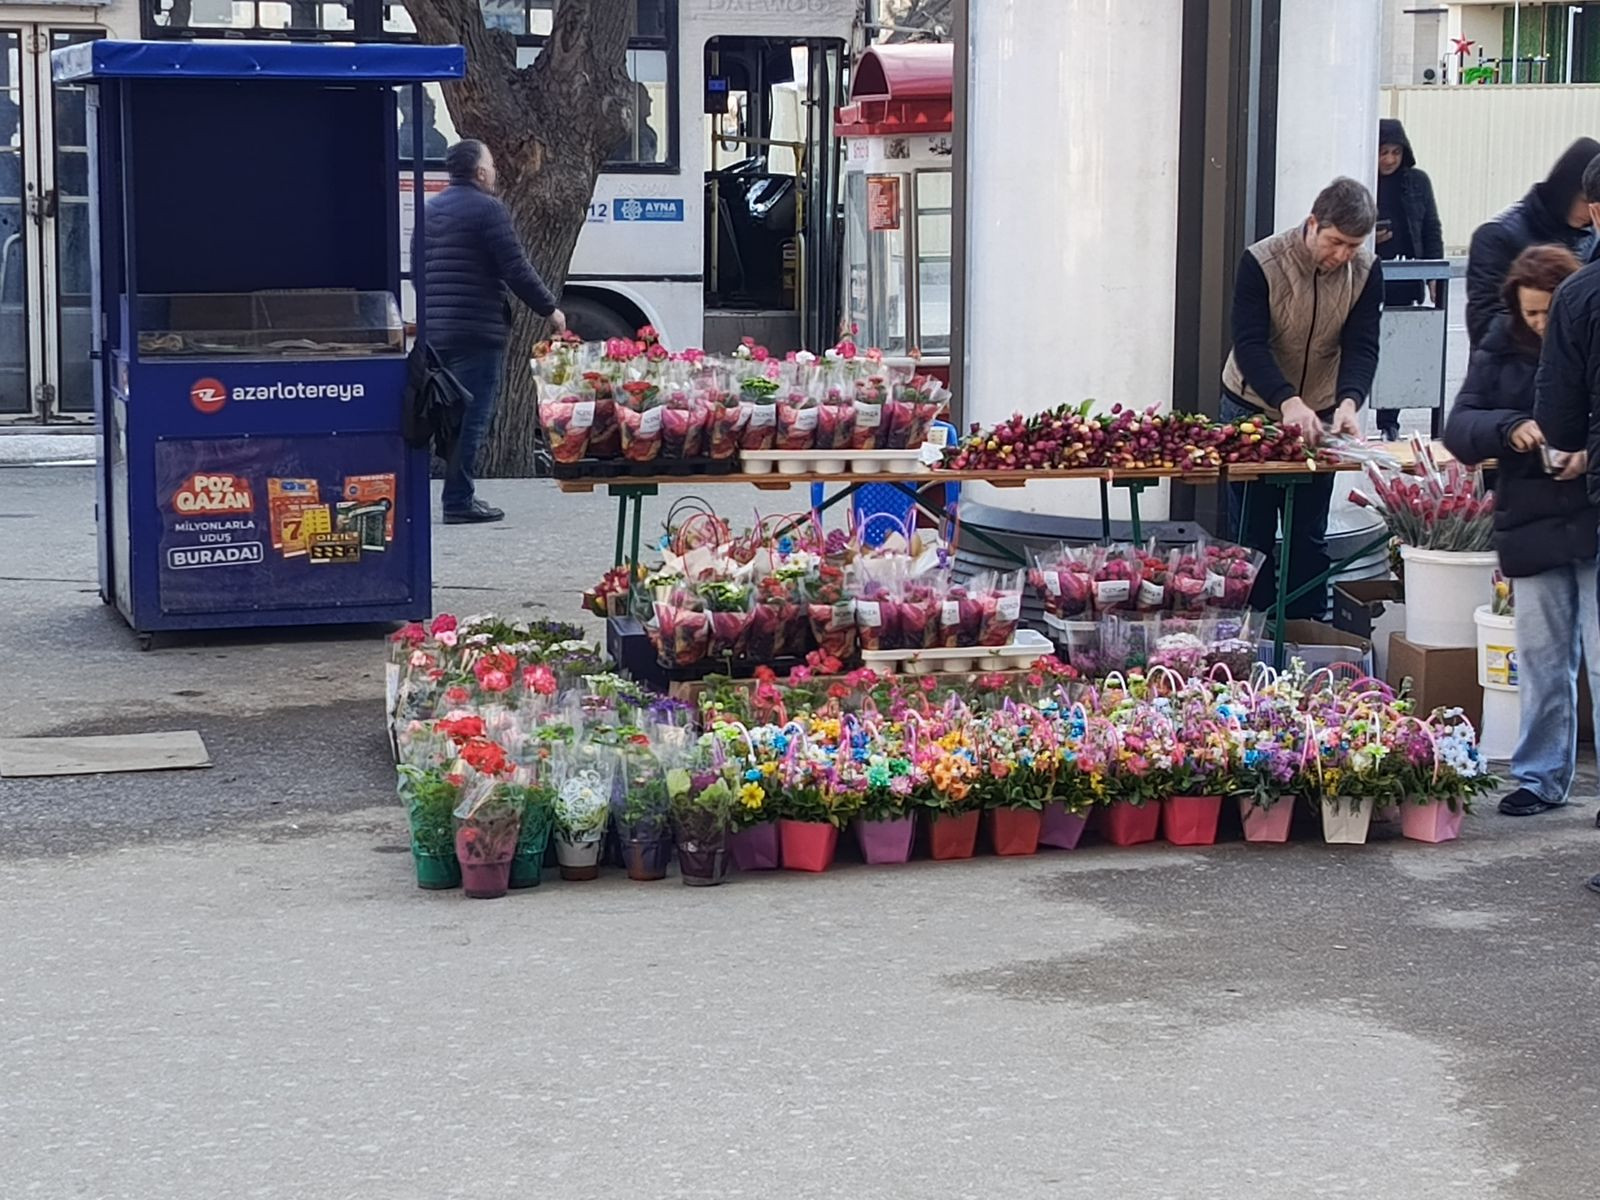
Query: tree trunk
(551, 126)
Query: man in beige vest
(1306, 305)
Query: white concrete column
(1072, 215)
(1327, 99)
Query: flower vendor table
(1285, 475)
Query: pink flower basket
(1267, 824)
(1430, 822)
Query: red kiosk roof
(900, 89)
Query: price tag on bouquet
(649, 422)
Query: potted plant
(886, 822)
(430, 794)
(1356, 780)
(946, 793)
(1441, 771)
(487, 821)
(702, 803)
(1080, 780)
(753, 842)
(1200, 774)
(582, 805)
(1014, 781)
(1268, 752)
(534, 800)
(642, 809)
(1140, 777)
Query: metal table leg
(1105, 512)
(1281, 605)
(625, 492)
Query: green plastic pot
(436, 872)
(528, 864)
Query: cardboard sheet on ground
(24, 757)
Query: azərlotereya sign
(209, 395)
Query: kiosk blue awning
(380, 63)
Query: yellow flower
(769, 769)
(752, 794)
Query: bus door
(772, 232)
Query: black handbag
(435, 403)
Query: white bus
(717, 219)
(718, 216)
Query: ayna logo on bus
(635, 209)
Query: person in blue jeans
(1566, 405)
(473, 263)
(1545, 531)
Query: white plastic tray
(1026, 648)
(832, 462)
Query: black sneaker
(1594, 884)
(1524, 803)
(479, 514)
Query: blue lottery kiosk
(252, 356)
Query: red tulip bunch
(1073, 437)
(1442, 508)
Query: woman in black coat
(1544, 531)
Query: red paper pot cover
(1191, 820)
(1014, 831)
(808, 845)
(953, 835)
(1127, 824)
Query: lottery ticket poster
(271, 522)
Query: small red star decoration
(1463, 46)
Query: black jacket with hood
(1539, 218)
(1567, 404)
(1416, 194)
(1540, 523)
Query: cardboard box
(1318, 645)
(1373, 609)
(1441, 677)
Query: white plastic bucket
(1501, 724)
(1443, 588)
(1497, 649)
(1497, 673)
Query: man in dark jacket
(1306, 305)
(1408, 227)
(473, 258)
(1567, 389)
(1554, 212)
